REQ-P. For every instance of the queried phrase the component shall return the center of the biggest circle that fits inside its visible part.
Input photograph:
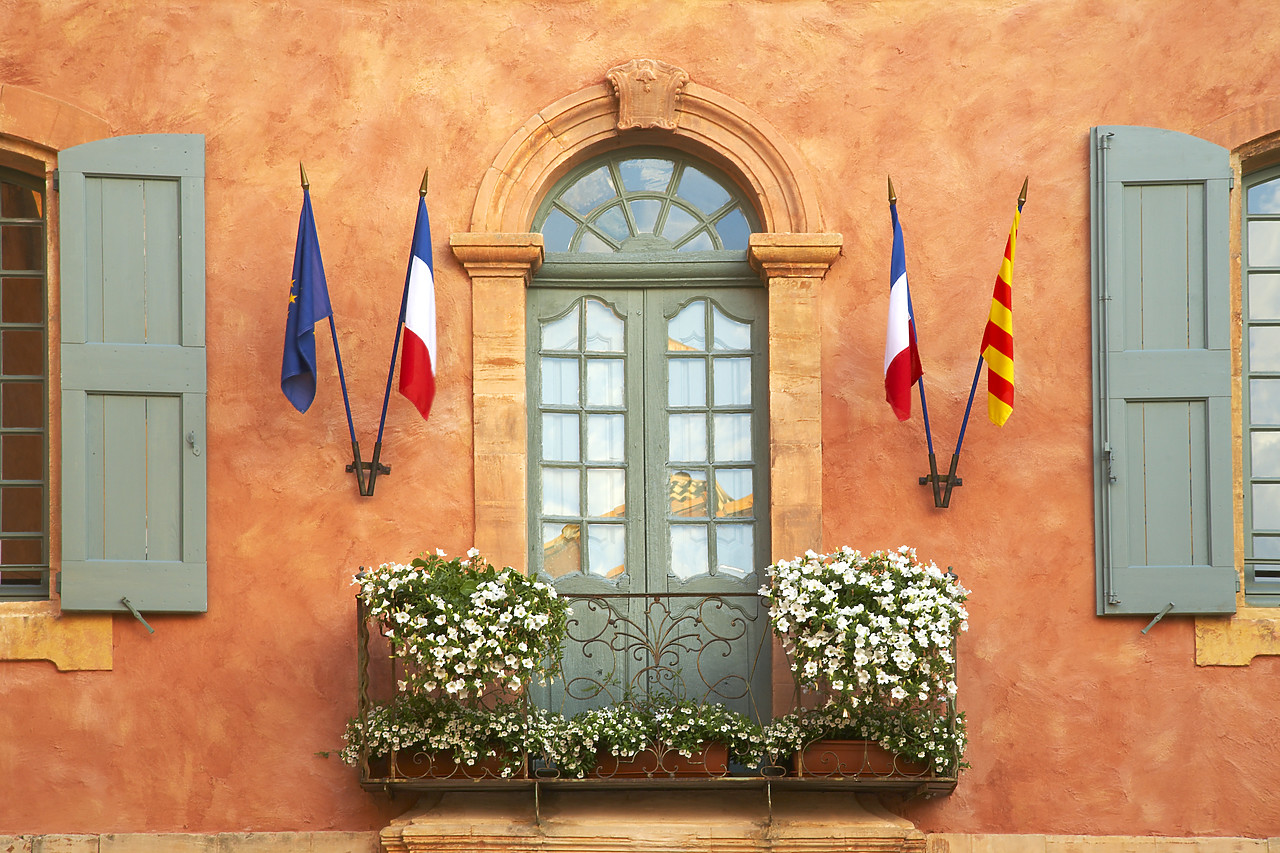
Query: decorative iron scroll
(625, 647)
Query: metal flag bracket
(367, 472)
(941, 495)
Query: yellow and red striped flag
(997, 340)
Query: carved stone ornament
(648, 92)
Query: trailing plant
(513, 730)
(938, 739)
(868, 629)
(875, 634)
(464, 627)
(416, 723)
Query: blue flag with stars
(308, 305)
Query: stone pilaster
(793, 266)
(500, 267)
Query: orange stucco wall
(219, 722)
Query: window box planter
(853, 758)
(417, 764)
(661, 761)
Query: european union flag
(308, 304)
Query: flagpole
(337, 354)
(395, 349)
(933, 460)
(924, 405)
(977, 373)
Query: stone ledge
(173, 842)
(955, 843)
(864, 832)
(644, 820)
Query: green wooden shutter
(1162, 373)
(133, 374)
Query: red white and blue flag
(418, 351)
(901, 357)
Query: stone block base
(672, 821)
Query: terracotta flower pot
(664, 762)
(854, 758)
(416, 764)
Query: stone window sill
(38, 630)
(1236, 640)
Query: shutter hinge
(1104, 141)
(1231, 182)
(56, 180)
(1107, 457)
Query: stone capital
(498, 254)
(793, 255)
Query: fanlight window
(651, 202)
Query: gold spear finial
(1022, 197)
(893, 198)
(422, 190)
(302, 171)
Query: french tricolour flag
(418, 352)
(901, 357)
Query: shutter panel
(1162, 373)
(133, 374)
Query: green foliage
(464, 626)
(873, 633)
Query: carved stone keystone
(648, 93)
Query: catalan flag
(997, 340)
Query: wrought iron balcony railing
(630, 661)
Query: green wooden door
(650, 459)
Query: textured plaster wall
(220, 722)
